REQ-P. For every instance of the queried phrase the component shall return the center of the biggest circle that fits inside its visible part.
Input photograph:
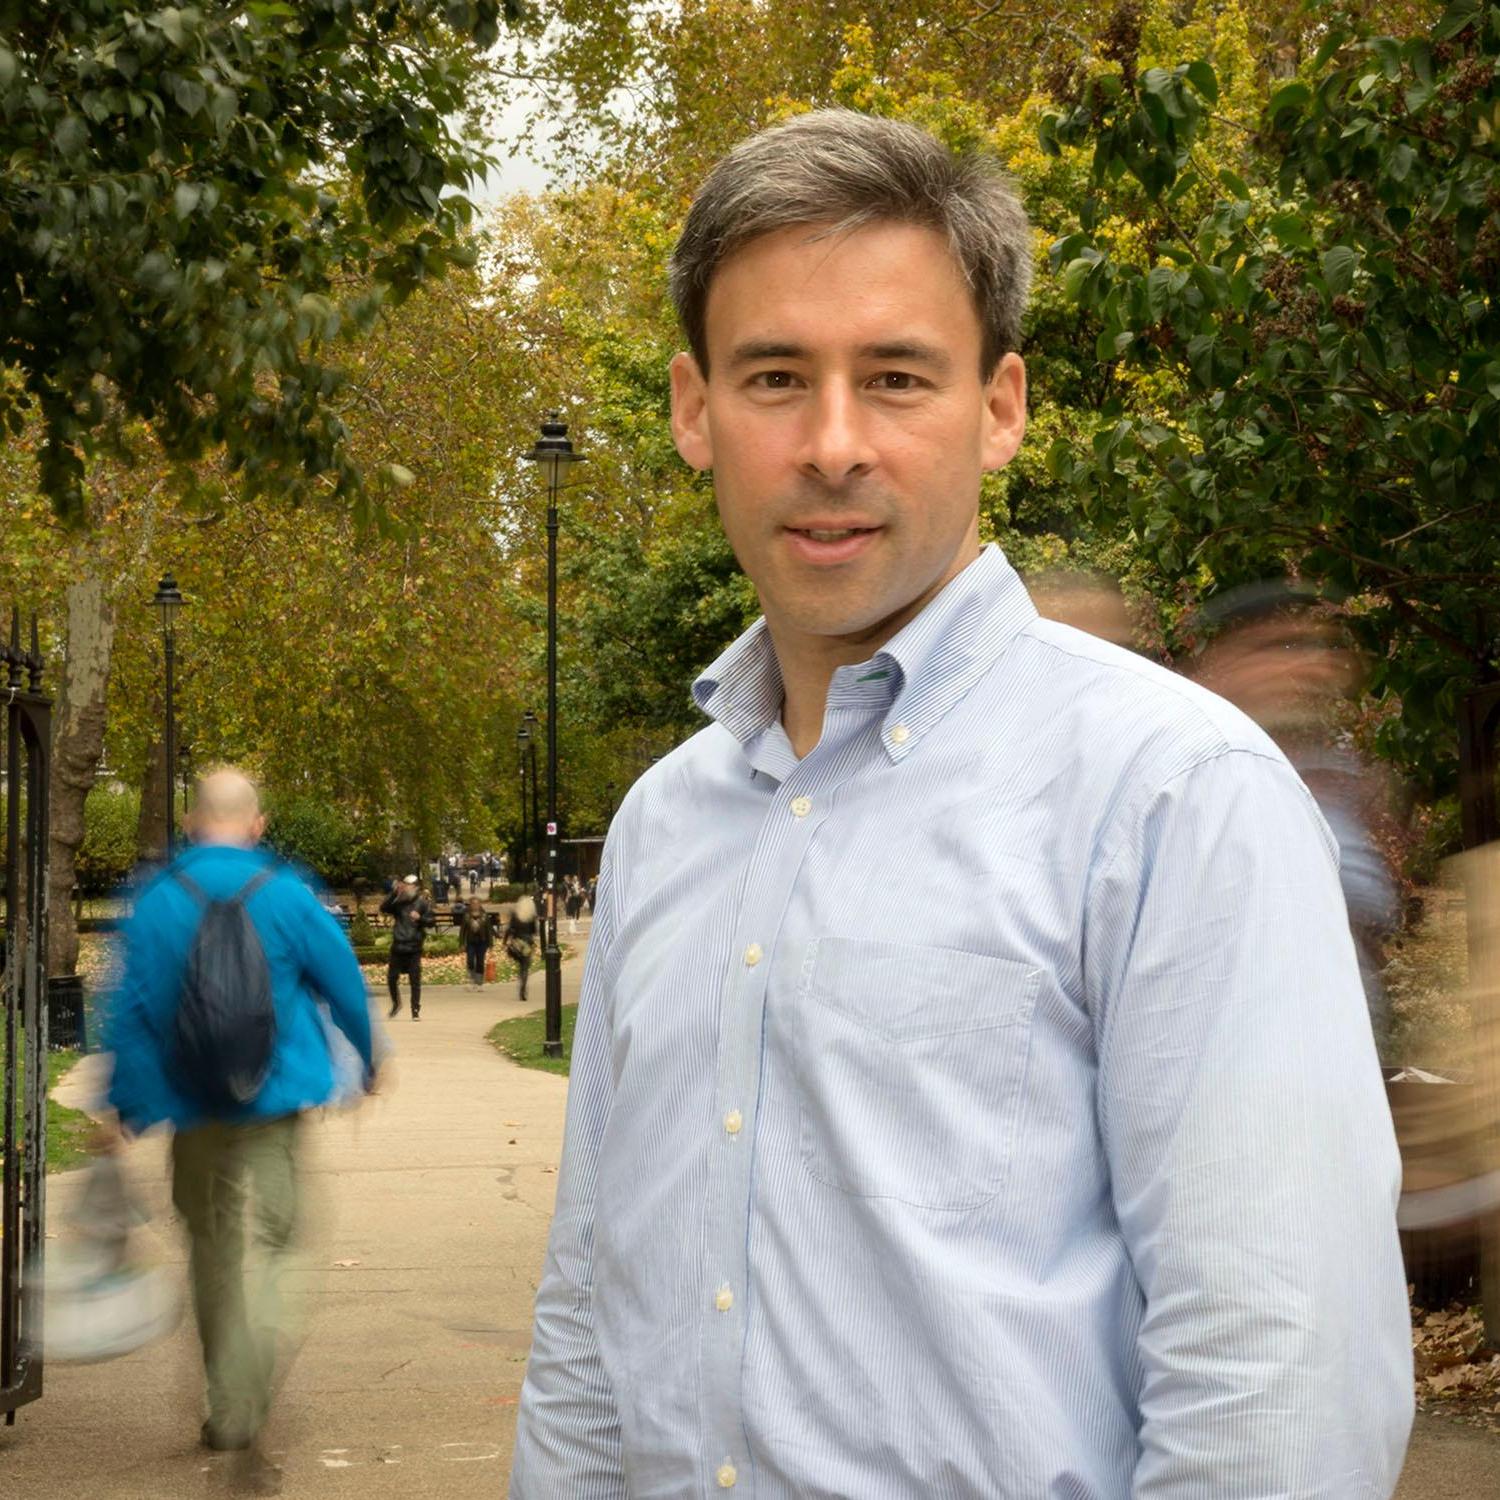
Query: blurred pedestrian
(521, 939)
(477, 930)
(573, 904)
(215, 1028)
(1282, 655)
(412, 917)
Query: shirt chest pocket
(910, 1063)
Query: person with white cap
(412, 913)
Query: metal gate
(27, 745)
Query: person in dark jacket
(478, 932)
(520, 939)
(412, 913)
(224, 1161)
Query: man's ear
(690, 413)
(1004, 413)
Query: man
(972, 1094)
(223, 1159)
(412, 915)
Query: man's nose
(836, 445)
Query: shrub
(107, 854)
(320, 836)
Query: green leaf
(185, 198)
(1291, 229)
(400, 476)
(1289, 96)
(1339, 265)
(1201, 75)
(1235, 184)
(71, 135)
(1458, 17)
(9, 67)
(170, 22)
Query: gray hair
(843, 170)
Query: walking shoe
(395, 1010)
(218, 1442)
(415, 1016)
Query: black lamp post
(552, 453)
(609, 792)
(533, 731)
(523, 739)
(168, 600)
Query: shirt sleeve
(331, 968)
(1253, 1163)
(135, 1031)
(568, 1427)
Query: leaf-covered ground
(1456, 1372)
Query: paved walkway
(419, 1277)
(419, 1274)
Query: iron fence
(23, 1135)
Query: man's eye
(775, 380)
(896, 380)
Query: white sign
(551, 829)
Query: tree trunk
(151, 829)
(77, 743)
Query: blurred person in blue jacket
(224, 1160)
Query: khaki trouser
(215, 1169)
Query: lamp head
(552, 452)
(167, 600)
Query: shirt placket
(797, 808)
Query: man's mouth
(831, 534)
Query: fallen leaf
(344, 1265)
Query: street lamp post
(533, 730)
(523, 739)
(553, 453)
(609, 792)
(168, 600)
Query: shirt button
(725, 1299)
(753, 955)
(733, 1121)
(899, 734)
(726, 1476)
(801, 806)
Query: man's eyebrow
(905, 351)
(909, 351)
(753, 350)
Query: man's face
(847, 425)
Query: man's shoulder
(1123, 703)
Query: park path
(437, 1197)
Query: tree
(198, 202)
(1326, 330)
(198, 198)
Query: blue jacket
(310, 962)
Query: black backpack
(226, 1018)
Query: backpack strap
(240, 897)
(256, 881)
(192, 887)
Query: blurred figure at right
(1281, 654)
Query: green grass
(520, 1039)
(67, 1129)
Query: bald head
(227, 810)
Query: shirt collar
(935, 659)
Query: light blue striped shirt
(982, 1107)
